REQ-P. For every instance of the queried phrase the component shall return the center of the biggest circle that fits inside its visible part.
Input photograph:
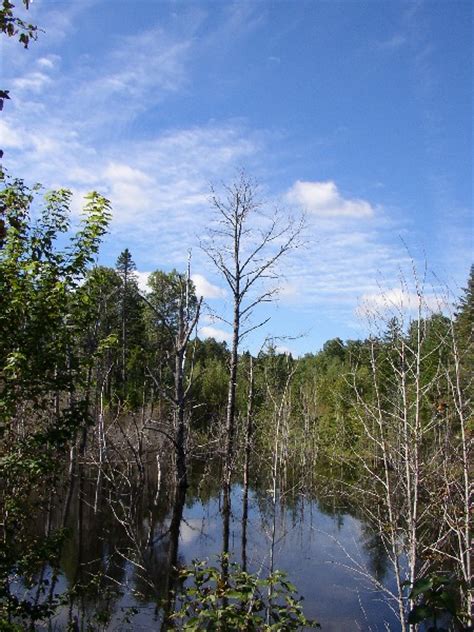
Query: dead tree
(409, 464)
(245, 245)
(452, 512)
(247, 452)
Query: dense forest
(113, 407)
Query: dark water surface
(317, 544)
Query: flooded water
(324, 549)
(312, 547)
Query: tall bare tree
(245, 245)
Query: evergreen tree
(132, 334)
(465, 312)
(125, 267)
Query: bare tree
(418, 470)
(452, 478)
(247, 452)
(245, 246)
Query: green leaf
(419, 614)
(421, 586)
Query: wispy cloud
(400, 301)
(58, 20)
(392, 43)
(92, 96)
(139, 73)
(95, 122)
(10, 136)
(162, 188)
(33, 81)
(159, 190)
(349, 248)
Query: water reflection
(133, 554)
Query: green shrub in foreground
(237, 600)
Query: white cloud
(159, 197)
(159, 193)
(130, 190)
(205, 288)
(11, 137)
(86, 130)
(78, 201)
(283, 349)
(119, 173)
(214, 332)
(324, 200)
(82, 175)
(58, 19)
(33, 81)
(142, 280)
(48, 61)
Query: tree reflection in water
(121, 561)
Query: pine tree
(130, 308)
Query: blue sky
(358, 114)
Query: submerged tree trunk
(179, 414)
(230, 428)
(172, 560)
(248, 446)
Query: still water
(324, 548)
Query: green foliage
(237, 600)
(167, 293)
(71, 335)
(210, 390)
(437, 602)
(12, 25)
(465, 311)
(37, 284)
(464, 332)
(41, 404)
(125, 265)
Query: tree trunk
(248, 445)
